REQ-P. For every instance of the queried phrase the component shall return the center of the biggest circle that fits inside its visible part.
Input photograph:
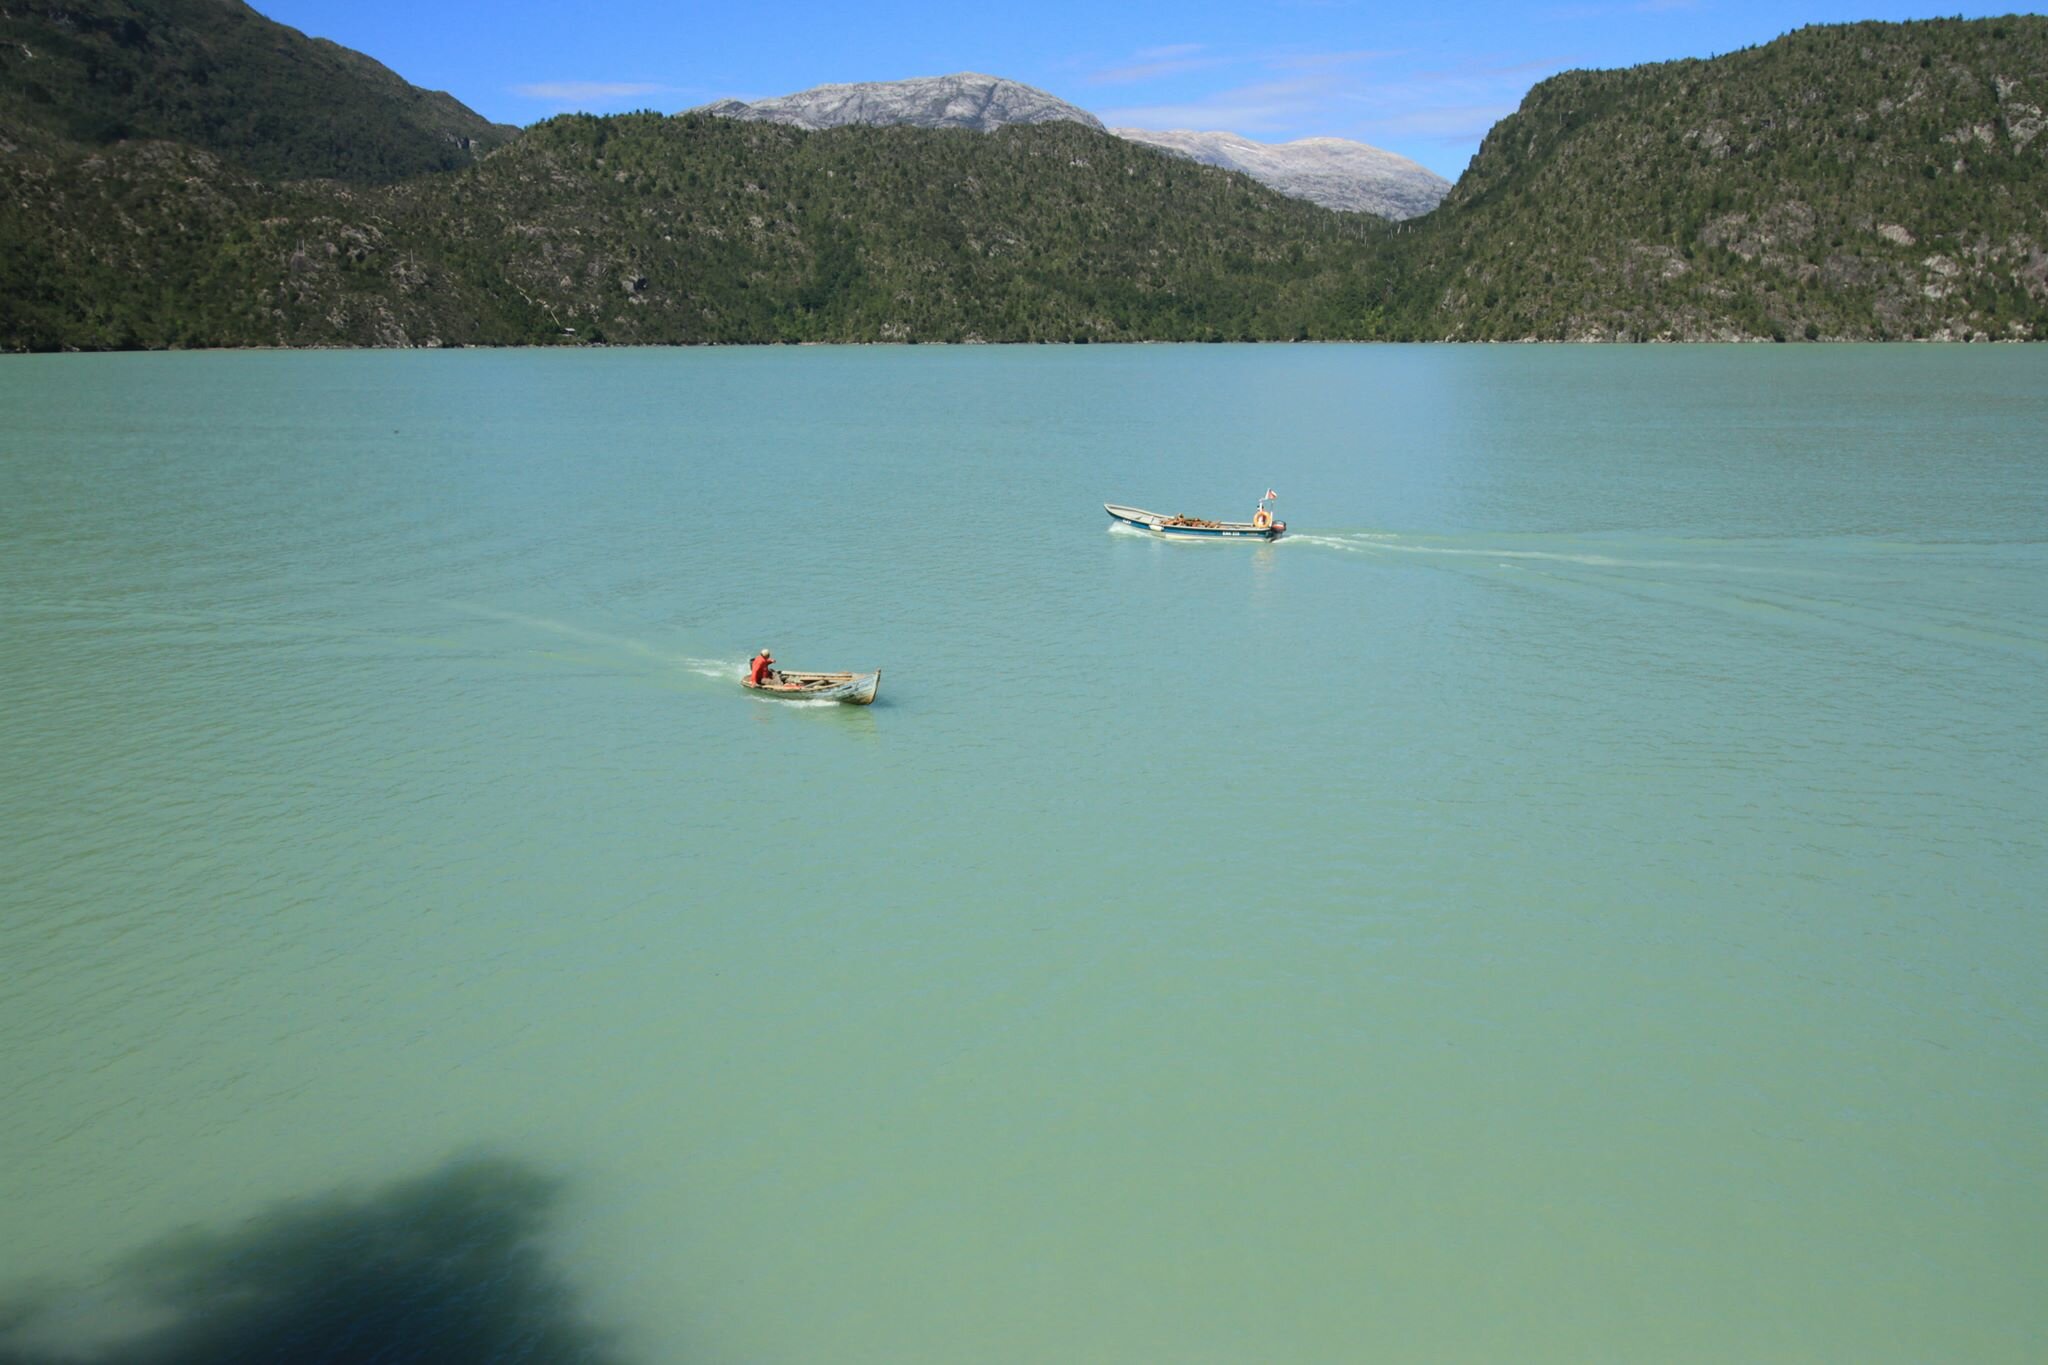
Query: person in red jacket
(762, 670)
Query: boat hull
(1181, 528)
(855, 689)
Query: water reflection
(442, 1269)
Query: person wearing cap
(762, 669)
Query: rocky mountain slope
(964, 100)
(1332, 171)
(1846, 181)
(217, 76)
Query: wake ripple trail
(719, 669)
(1931, 592)
(1371, 543)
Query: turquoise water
(1579, 896)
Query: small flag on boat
(1269, 494)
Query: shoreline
(1976, 340)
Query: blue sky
(1424, 81)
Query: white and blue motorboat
(1197, 528)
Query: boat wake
(1368, 542)
(1830, 584)
(722, 670)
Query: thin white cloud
(1326, 61)
(1449, 105)
(1280, 93)
(1260, 107)
(1454, 123)
(1138, 72)
(573, 92)
(1212, 116)
(1476, 72)
(1580, 13)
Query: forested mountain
(216, 75)
(641, 228)
(1857, 181)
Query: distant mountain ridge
(1332, 171)
(966, 99)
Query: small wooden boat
(857, 688)
(1195, 527)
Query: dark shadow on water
(437, 1270)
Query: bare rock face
(965, 100)
(1323, 170)
(1331, 171)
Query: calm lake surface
(1579, 896)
